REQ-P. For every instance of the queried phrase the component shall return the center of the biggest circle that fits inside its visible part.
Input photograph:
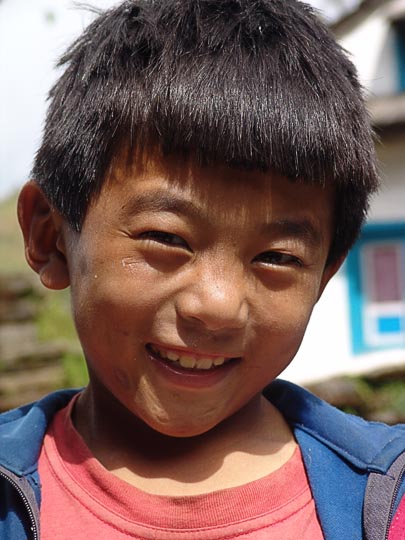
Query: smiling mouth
(188, 361)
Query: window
(376, 272)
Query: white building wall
(390, 203)
(385, 80)
(325, 350)
(372, 49)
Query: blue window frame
(400, 40)
(376, 275)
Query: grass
(379, 399)
(75, 370)
(12, 258)
(54, 319)
(55, 323)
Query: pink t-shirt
(397, 529)
(82, 500)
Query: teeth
(205, 363)
(219, 361)
(189, 362)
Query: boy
(205, 167)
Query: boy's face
(192, 287)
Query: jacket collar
(368, 446)
(22, 432)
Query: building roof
(387, 111)
(394, 9)
(354, 17)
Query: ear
(329, 271)
(41, 226)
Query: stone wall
(28, 368)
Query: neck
(252, 443)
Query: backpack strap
(379, 501)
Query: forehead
(212, 194)
(182, 175)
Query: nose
(216, 298)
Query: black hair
(255, 84)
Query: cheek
(116, 304)
(111, 279)
(284, 318)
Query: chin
(181, 429)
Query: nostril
(213, 317)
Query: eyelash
(278, 258)
(165, 238)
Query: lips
(187, 360)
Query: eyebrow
(160, 201)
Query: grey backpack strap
(379, 500)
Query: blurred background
(354, 351)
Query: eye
(165, 238)
(277, 258)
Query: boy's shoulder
(351, 463)
(22, 431)
(366, 445)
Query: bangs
(269, 122)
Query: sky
(33, 34)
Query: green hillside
(11, 242)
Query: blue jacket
(339, 451)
